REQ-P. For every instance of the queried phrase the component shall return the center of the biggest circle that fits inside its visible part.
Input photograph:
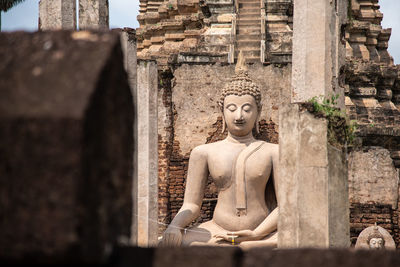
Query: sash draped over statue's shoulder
(239, 176)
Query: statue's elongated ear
(257, 127)
(258, 122)
(221, 106)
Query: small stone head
(240, 102)
(376, 240)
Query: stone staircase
(248, 30)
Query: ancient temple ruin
(186, 50)
(208, 31)
(193, 43)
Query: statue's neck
(247, 139)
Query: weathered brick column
(313, 186)
(145, 226)
(57, 14)
(93, 14)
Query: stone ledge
(218, 256)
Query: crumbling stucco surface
(373, 177)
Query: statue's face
(240, 114)
(376, 243)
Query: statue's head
(376, 240)
(240, 102)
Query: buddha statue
(375, 239)
(243, 170)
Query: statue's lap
(204, 233)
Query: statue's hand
(172, 237)
(239, 236)
(246, 235)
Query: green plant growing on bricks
(341, 130)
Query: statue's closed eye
(231, 107)
(247, 108)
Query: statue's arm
(195, 186)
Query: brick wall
(165, 136)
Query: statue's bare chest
(223, 164)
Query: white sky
(123, 14)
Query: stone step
(154, 4)
(248, 53)
(245, 37)
(249, 24)
(249, 10)
(249, 30)
(249, 5)
(249, 1)
(249, 44)
(253, 59)
(160, 2)
(250, 15)
(253, 21)
(152, 8)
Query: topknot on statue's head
(241, 84)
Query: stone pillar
(316, 49)
(128, 43)
(57, 14)
(93, 14)
(313, 186)
(145, 226)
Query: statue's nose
(239, 114)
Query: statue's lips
(239, 123)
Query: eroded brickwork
(170, 30)
(372, 80)
(366, 215)
(165, 137)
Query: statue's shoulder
(205, 149)
(270, 148)
(202, 150)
